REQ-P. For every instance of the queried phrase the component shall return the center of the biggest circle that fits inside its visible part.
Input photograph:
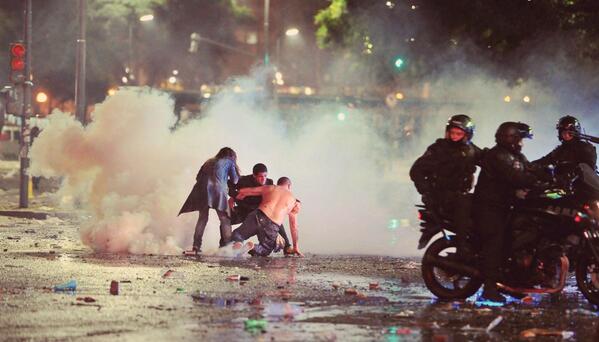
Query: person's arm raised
(251, 191)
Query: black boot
(491, 293)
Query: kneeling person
(277, 202)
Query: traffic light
(17, 62)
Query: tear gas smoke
(133, 173)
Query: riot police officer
(504, 169)
(572, 149)
(444, 175)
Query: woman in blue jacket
(210, 191)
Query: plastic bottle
(70, 286)
(255, 324)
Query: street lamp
(147, 17)
(290, 32)
(41, 97)
(132, 22)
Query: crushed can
(114, 288)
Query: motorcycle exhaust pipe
(449, 265)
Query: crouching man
(277, 202)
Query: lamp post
(131, 68)
(80, 112)
(290, 32)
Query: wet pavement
(317, 298)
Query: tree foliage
(158, 46)
(501, 35)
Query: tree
(498, 35)
(158, 47)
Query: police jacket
(502, 173)
(574, 151)
(446, 166)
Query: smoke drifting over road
(133, 173)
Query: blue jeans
(257, 223)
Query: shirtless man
(277, 201)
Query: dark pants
(36, 182)
(225, 228)
(257, 223)
(491, 223)
(240, 213)
(458, 207)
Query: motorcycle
(553, 232)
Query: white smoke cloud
(132, 172)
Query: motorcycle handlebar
(594, 140)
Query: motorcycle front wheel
(446, 284)
(587, 278)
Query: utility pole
(266, 33)
(80, 99)
(26, 112)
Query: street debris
(373, 286)
(66, 287)
(397, 331)
(114, 288)
(86, 299)
(237, 277)
(255, 325)
(494, 323)
(405, 313)
(351, 292)
(536, 332)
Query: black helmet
(568, 123)
(463, 122)
(509, 134)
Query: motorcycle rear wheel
(587, 278)
(446, 284)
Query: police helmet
(568, 123)
(463, 122)
(509, 134)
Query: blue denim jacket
(211, 187)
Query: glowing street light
(526, 99)
(294, 31)
(399, 96)
(172, 80)
(111, 91)
(41, 97)
(507, 98)
(341, 116)
(147, 17)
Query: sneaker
(193, 251)
(288, 250)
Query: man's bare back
(277, 202)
